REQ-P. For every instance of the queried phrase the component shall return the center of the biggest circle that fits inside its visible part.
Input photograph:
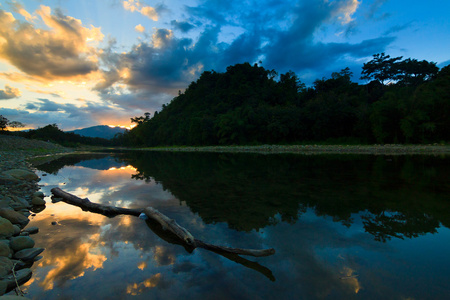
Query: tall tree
(414, 72)
(382, 68)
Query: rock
(18, 264)
(31, 230)
(7, 179)
(21, 174)
(14, 217)
(28, 254)
(22, 276)
(19, 203)
(16, 229)
(25, 213)
(5, 250)
(21, 242)
(4, 203)
(6, 228)
(39, 194)
(3, 287)
(37, 201)
(6, 266)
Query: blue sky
(82, 63)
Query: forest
(404, 101)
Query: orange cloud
(64, 52)
(138, 288)
(72, 265)
(17, 7)
(9, 93)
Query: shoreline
(20, 198)
(391, 149)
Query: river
(342, 226)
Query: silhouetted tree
(5, 123)
(382, 68)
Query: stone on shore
(21, 242)
(22, 276)
(16, 230)
(6, 266)
(31, 230)
(3, 287)
(8, 179)
(4, 249)
(19, 203)
(28, 254)
(21, 174)
(39, 194)
(14, 217)
(6, 228)
(38, 201)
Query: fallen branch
(85, 204)
(171, 225)
(167, 224)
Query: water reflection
(325, 215)
(400, 196)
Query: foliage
(5, 123)
(382, 68)
(406, 72)
(248, 105)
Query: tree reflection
(385, 225)
(398, 197)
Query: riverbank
(317, 149)
(19, 199)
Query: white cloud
(136, 5)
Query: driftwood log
(86, 205)
(166, 223)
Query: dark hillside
(251, 105)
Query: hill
(249, 105)
(101, 131)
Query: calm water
(344, 227)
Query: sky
(81, 63)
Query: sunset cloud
(154, 51)
(9, 93)
(62, 52)
(17, 7)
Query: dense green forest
(404, 101)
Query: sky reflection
(317, 256)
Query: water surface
(343, 227)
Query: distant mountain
(101, 131)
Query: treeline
(52, 133)
(406, 101)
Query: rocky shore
(19, 198)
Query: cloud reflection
(138, 288)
